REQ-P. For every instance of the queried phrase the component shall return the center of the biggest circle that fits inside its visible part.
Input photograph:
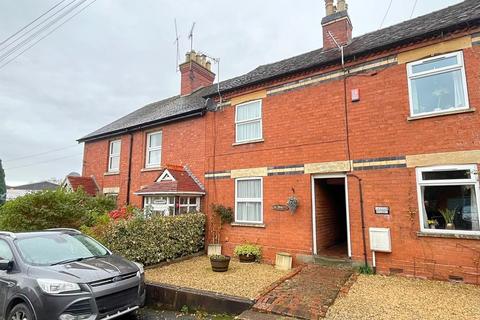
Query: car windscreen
(54, 248)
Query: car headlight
(140, 268)
(57, 286)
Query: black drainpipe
(362, 215)
(129, 168)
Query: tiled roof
(37, 186)
(87, 183)
(464, 14)
(183, 183)
(171, 108)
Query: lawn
(380, 297)
(242, 279)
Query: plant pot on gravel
(244, 258)
(248, 253)
(219, 263)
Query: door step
(332, 261)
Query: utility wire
(414, 7)
(386, 14)
(37, 33)
(28, 25)
(43, 162)
(49, 33)
(40, 154)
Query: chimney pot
(341, 5)
(329, 7)
(336, 24)
(195, 73)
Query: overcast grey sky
(118, 55)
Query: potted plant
(223, 215)
(448, 215)
(248, 253)
(219, 263)
(432, 224)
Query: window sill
(151, 169)
(247, 142)
(113, 173)
(447, 113)
(448, 235)
(248, 225)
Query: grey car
(62, 274)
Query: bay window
(189, 204)
(160, 205)
(437, 85)
(249, 200)
(448, 199)
(114, 156)
(154, 150)
(248, 121)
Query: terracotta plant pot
(246, 259)
(220, 264)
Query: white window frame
(259, 119)
(451, 182)
(189, 205)
(112, 155)
(149, 149)
(148, 201)
(249, 200)
(411, 76)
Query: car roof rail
(64, 229)
(8, 233)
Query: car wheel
(20, 312)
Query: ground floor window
(248, 200)
(448, 198)
(171, 205)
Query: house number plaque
(280, 207)
(382, 210)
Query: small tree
(3, 185)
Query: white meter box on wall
(380, 239)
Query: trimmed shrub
(53, 209)
(157, 239)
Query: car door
(6, 279)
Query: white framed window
(160, 205)
(448, 199)
(188, 205)
(437, 85)
(114, 155)
(248, 121)
(154, 149)
(249, 200)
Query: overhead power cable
(46, 35)
(40, 153)
(32, 22)
(46, 26)
(413, 9)
(43, 162)
(386, 14)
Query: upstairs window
(248, 121)
(249, 200)
(154, 150)
(437, 85)
(448, 199)
(114, 156)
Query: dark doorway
(331, 217)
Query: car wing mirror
(6, 265)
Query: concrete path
(307, 295)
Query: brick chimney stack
(338, 23)
(196, 73)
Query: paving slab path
(307, 295)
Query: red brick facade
(308, 125)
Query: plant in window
(448, 215)
(248, 252)
(432, 224)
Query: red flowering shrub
(123, 213)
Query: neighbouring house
(373, 138)
(73, 182)
(19, 191)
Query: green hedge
(156, 239)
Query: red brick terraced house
(373, 141)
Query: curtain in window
(248, 111)
(249, 206)
(249, 131)
(459, 93)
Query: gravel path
(241, 279)
(380, 297)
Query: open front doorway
(331, 234)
